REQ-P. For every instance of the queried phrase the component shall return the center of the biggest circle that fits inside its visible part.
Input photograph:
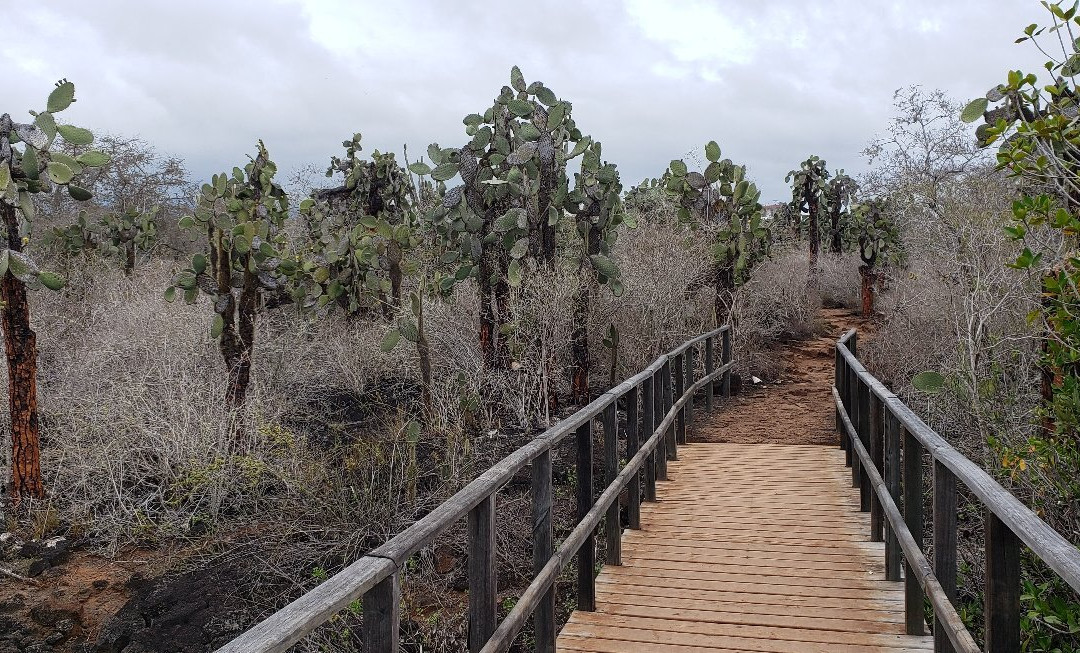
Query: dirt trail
(794, 409)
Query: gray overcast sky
(772, 81)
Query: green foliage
(29, 165)
(721, 196)
(808, 184)
(597, 207)
(514, 188)
(874, 233)
(1034, 126)
(241, 216)
(117, 235)
(360, 235)
(929, 382)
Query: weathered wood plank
(1002, 590)
(586, 556)
(543, 547)
(612, 525)
(483, 574)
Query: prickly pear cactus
(28, 166)
(839, 195)
(808, 187)
(129, 232)
(877, 240)
(727, 206)
(242, 216)
(361, 234)
(597, 208)
(501, 219)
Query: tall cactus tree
(723, 201)
(502, 217)
(361, 233)
(370, 215)
(838, 197)
(242, 216)
(29, 165)
(597, 208)
(877, 239)
(808, 186)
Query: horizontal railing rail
(658, 403)
(885, 443)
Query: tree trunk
(815, 232)
(423, 350)
(725, 292)
(20, 345)
(487, 312)
(579, 346)
(837, 245)
(579, 337)
(502, 318)
(129, 259)
(868, 277)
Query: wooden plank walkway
(750, 547)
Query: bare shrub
(777, 304)
(838, 281)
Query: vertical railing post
(612, 524)
(483, 574)
(725, 358)
(648, 426)
(680, 388)
(893, 435)
(913, 517)
(1001, 594)
(633, 444)
(944, 545)
(838, 383)
(710, 365)
(689, 365)
(877, 455)
(382, 615)
(668, 403)
(863, 428)
(659, 396)
(543, 547)
(586, 556)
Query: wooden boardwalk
(750, 547)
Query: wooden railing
(660, 397)
(885, 443)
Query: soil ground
(796, 407)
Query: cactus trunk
(20, 345)
(837, 244)
(868, 277)
(725, 292)
(815, 232)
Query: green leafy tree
(126, 234)
(838, 197)
(502, 218)
(721, 200)
(241, 216)
(597, 209)
(31, 165)
(1034, 127)
(876, 238)
(364, 237)
(808, 186)
(361, 233)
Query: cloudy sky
(771, 81)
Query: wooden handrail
(1008, 521)
(374, 577)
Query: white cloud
(772, 82)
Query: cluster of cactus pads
(31, 164)
(721, 200)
